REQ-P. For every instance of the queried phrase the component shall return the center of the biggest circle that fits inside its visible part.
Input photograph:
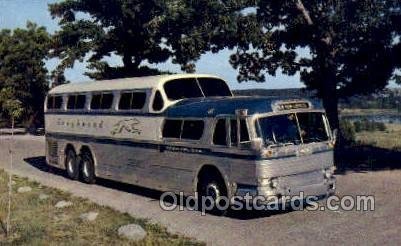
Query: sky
(16, 13)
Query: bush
(347, 131)
(368, 125)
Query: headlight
(274, 183)
(271, 182)
(264, 182)
(328, 172)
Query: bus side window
(158, 101)
(220, 133)
(50, 102)
(172, 129)
(80, 102)
(96, 101)
(132, 100)
(192, 129)
(71, 102)
(138, 100)
(107, 101)
(58, 102)
(233, 132)
(244, 134)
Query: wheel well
(68, 148)
(85, 149)
(209, 171)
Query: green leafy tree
(97, 29)
(13, 108)
(354, 46)
(143, 33)
(196, 27)
(23, 75)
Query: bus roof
(211, 107)
(145, 82)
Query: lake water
(393, 119)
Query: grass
(389, 139)
(38, 222)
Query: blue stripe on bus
(160, 147)
(166, 147)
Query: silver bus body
(134, 145)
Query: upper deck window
(76, 101)
(196, 87)
(183, 129)
(182, 88)
(158, 102)
(132, 100)
(102, 101)
(54, 102)
(212, 87)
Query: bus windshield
(293, 129)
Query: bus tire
(87, 168)
(72, 165)
(212, 187)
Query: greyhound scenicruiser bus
(189, 133)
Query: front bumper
(322, 189)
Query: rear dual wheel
(72, 165)
(87, 168)
(80, 166)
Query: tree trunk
(127, 61)
(329, 95)
(330, 104)
(8, 226)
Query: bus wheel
(213, 195)
(71, 165)
(87, 168)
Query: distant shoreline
(369, 112)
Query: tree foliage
(142, 33)
(23, 75)
(99, 29)
(354, 46)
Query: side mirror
(257, 144)
(334, 136)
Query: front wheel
(71, 165)
(213, 195)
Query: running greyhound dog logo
(126, 125)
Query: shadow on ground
(366, 158)
(39, 162)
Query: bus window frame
(118, 98)
(52, 109)
(229, 144)
(112, 107)
(180, 139)
(86, 106)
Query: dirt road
(382, 226)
